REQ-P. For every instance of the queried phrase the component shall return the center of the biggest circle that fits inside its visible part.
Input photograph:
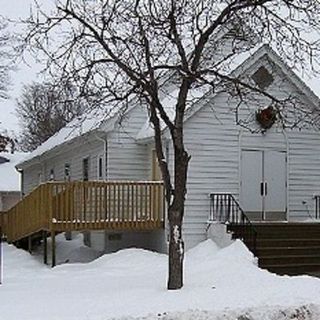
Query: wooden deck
(91, 205)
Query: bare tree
(6, 58)
(43, 109)
(117, 50)
(7, 144)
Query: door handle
(265, 188)
(261, 188)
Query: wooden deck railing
(90, 205)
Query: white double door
(263, 184)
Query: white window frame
(102, 168)
(67, 177)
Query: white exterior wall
(214, 142)
(128, 160)
(113, 241)
(31, 178)
(72, 154)
(304, 174)
(89, 147)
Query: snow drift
(219, 284)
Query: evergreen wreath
(266, 117)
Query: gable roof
(250, 58)
(237, 66)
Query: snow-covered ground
(219, 284)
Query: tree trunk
(175, 217)
(176, 251)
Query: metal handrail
(317, 206)
(225, 208)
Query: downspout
(287, 173)
(105, 149)
(21, 181)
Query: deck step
(289, 259)
(286, 248)
(302, 234)
(287, 251)
(294, 269)
(290, 242)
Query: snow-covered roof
(170, 98)
(9, 177)
(235, 66)
(168, 102)
(77, 127)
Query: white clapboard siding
(214, 142)
(128, 160)
(31, 178)
(73, 154)
(89, 147)
(304, 174)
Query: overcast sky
(17, 9)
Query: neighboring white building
(273, 174)
(10, 183)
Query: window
(67, 172)
(51, 175)
(100, 168)
(85, 169)
(262, 78)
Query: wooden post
(53, 249)
(45, 247)
(1, 256)
(30, 244)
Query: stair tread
(292, 265)
(291, 256)
(287, 239)
(292, 248)
(288, 248)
